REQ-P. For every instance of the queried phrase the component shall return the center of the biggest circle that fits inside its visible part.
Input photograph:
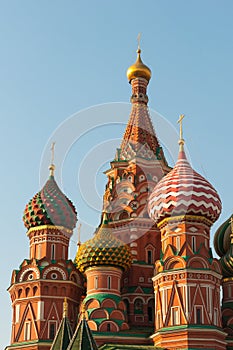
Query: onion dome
(103, 249)
(138, 69)
(223, 245)
(184, 192)
(222, 238)
(50, 207)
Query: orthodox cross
(180, 121)
(139, 39)
(52, 152)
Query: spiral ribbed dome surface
(103, 249)
(50, 207)
(184, 192)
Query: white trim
(27, 331)
(40, 310)
(175, 315)
(17, 313)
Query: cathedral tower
(187, 277)
(139, 164)
(41, 283)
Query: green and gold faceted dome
(103, 249)
(138, 69)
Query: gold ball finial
(138, 69)
(83, 311)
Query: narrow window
(108, 327)
(27, 331)
(52, 330)
(150, 313)
(39, 251)
(109, 282)
(198, 315)
(149, 256)
(63, 252)
(53, 252)
(194, 243)
(96, 282)
(216, 317)
(229, 291)
(175, 316)
(178, 243)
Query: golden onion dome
(138, 69)
(103, 249)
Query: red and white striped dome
(184, 192)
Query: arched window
(149, 256)
(138, 306)
(52, 329)
(151, 310)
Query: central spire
(140, 139)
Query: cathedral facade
(147, 279)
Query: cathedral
(147, 279)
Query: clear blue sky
(59, 57)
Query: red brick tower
(187, 277)
(39, 286)
(103, 260)
(139, 164)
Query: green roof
(129, 347)
(102, 296)
(63, 336)
(83, 338)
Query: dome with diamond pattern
(50, 207)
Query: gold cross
(52, 152)
(181, 125)
(139, 39)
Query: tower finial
(83, 311)
(52, 166)
(79, 235)
(181, 140)
(139, 39)
(65, 307)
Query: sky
(62, 79)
